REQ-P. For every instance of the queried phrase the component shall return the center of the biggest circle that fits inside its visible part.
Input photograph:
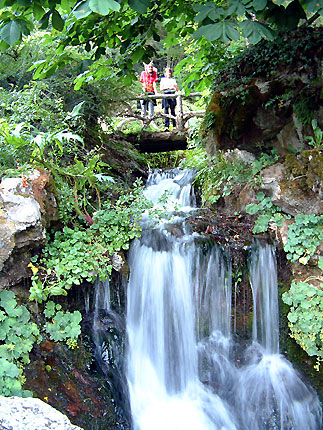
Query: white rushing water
(182, 373)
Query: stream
(182, 368)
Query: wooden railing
(181, 117)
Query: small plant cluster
(306, 317)
(217, 177)
(18, 334)
(268, 213)
(304, 236)
(64, 325)
(17, 337)
(317, 140)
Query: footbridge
(155, 140)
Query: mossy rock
(306, 169)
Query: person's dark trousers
(172, 111)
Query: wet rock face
(67, 379)
(17, 413)
(25, 210)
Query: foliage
(164, 160)
(217, 176)
(268, 213)
(290, 51)
(124, 27)
(17, 337)
(304, 236)
(317, 140)
(83, 254)
(45, 102)
(78, 182)
(201, 61)
(306, 317)
(64, 325)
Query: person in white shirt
(168, 85)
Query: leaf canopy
(126, 25)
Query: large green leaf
(313, 5)
(259, 4)
(254, 31)
(11, 32)
(57, 21)
(224, 31)
(236, 8)
(284, 3)
(140, 6)
(38, 11)
(8, 369)
(203, 11)
(103, 7)
(82, 9)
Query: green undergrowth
(83, 253)
(219, 175)
(18, 335)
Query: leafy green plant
(17, 337)
(317, 140)
(306, 317)
(82, 254)
(268, 213)
(304, 236)
(64, 325)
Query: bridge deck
(158, 141)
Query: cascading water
(181, 371)
(271, 393)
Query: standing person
(168, 85)
(148, 78)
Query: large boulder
(26, 208)
(18, 413)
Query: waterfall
(182, 370)
(271, 393)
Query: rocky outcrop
(17, 413)
(269, 98)
(26, 208)
(287, 193)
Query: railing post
(179, 116)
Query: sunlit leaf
(11, 32)
(82, 10)
(76, 110)
(38, 11)
(103, 7)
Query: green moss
(306, 170)
(215, 116)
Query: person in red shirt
(148, 78)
